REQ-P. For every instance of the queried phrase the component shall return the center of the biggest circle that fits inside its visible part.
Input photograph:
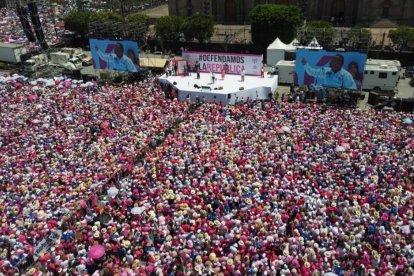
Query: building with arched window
(339, 12)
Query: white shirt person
(117, 60)
(242, 73)
(334, 76)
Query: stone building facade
(340, 12)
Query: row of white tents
(277, 49)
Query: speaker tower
(23, 17)
(37, 26)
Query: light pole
(54, 13)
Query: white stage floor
(227, 91)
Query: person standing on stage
(197, 69)
(175, 67)
(185, 69)
(223, 72)
(242, 72)
(169, 68)
(189, 67)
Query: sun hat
(199, 259)
(126, 243)
(212, 257)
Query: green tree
(402, 36)
(138, 18)
(199, 27)
(270, 21)
(138, 22)
(358, 36)
(105, 16)
(169, 28)
(322, 30)
(77, 22)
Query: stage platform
(227, 91)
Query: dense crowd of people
(251, 189)
(57, 140)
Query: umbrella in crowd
(340, 149)
(104, 218)
(286, 129)
(112, 192)
(96, 251)
(137, 210)
(408, 121)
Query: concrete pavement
(157, 12)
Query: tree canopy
(358, 36)
(105, 16)
(270, 21)
(199, 27)
(138, 22)
(139, 18)
(169, 28)
(77, 21)
(403, 36)
(322, 30)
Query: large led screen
(342, 70)
(115, 55)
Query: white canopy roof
(277, 44)
(293, 45)
(314, 43)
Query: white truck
(73, 64)
(72, 51)
(65, 61)
(59, 58)
(78, 53)
(11, 52)
(379, 75)
(35, 63)
(285, 69)
(388, 62)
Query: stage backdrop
(344, 70)
(234, 63)
(115, 55)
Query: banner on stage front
(232, 63)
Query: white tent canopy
(275, 52)
(314, 44)
(291, 47)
